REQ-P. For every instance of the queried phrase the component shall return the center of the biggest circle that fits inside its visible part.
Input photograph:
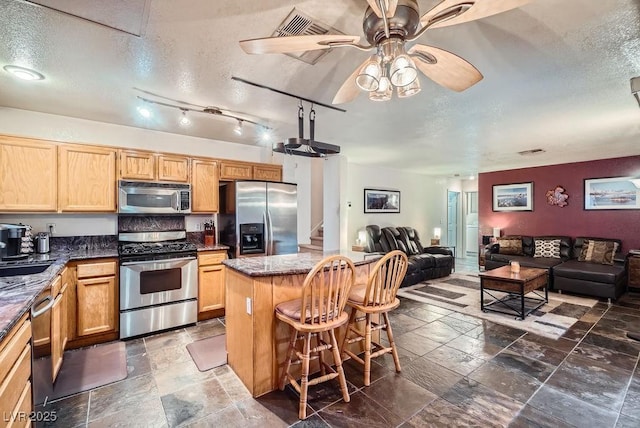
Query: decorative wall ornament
(557, 196)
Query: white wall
(296, 170)
(66, 129)
(423, 201)
(335, 176)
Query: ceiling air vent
(299, 24)
(531, 152)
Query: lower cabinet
(15, 374)
(97, 297)
(211, 283)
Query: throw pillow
(598, 251)
(511, 246)
(547, 248)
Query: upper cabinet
(46, 176)
(28, 173)
(230, 170)
(267, 172)
(136, 165)
(173, 168)
(204, 186)
(86, 179)
(141, 165)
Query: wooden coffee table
(517, 285)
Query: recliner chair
(424, 262)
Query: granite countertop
(201, 247)
(18, 293)
(292, 264)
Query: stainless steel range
(158, 281)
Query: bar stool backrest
(326, 289)
(385, 279)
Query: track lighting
(238, 128)
(144, 112)
(184, 120)
(186, 107)
(265, 134)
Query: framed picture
(616, 193)
(381, 201)
(513, 197)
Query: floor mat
(209, 353)
(82, 369)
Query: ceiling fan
(388, 26)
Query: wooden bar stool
(377, 296)
(320, 310)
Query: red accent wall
(571, 220)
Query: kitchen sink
(23, 269)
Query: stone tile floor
(456, 371)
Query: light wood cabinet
(42, 325)
(211, 282)
(86, 179)
(267, 172)
(97, 297)
(15, 371)
(137, 165)
(230, 170)
(204, 186)
(141, 165)
(173, 168)
(57, 328)
(65, 290)
(28, 175)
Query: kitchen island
(256, 341)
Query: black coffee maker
(11, 241)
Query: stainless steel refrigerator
(259, 218)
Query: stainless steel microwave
(141, 197)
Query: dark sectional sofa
(567, 273)
(424, 262)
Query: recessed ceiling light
(144, 112)
(23, 73)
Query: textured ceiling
(556, 77)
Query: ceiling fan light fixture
(368, 78)
(384, 91)
(403, 71)
(410, 89)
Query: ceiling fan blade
(478, 9)
(445, 68)
(389, 5)
(296, 43)
(349, 90)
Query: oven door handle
(37, 313)
(181, 259)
